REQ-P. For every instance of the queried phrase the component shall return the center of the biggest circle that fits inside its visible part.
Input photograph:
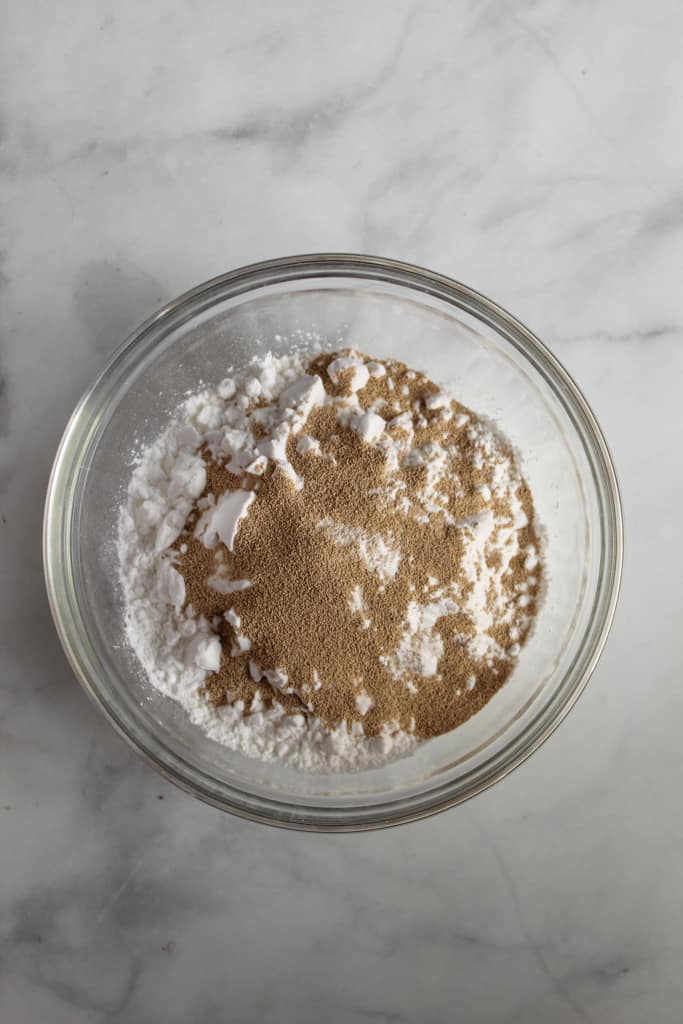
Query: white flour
(177, 649)
(376, 551)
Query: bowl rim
(74, 442)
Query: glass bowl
(459, 338)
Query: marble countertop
(531, 149)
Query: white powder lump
(360, 374)
(222, 520)
(364, 702)
(369, 426)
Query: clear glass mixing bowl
(389, 309)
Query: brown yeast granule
(386, 573)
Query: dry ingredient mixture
(327, 561)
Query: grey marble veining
(531, 149)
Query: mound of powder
(328, 562)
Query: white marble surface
(531, 149)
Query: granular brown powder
(332, 619)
